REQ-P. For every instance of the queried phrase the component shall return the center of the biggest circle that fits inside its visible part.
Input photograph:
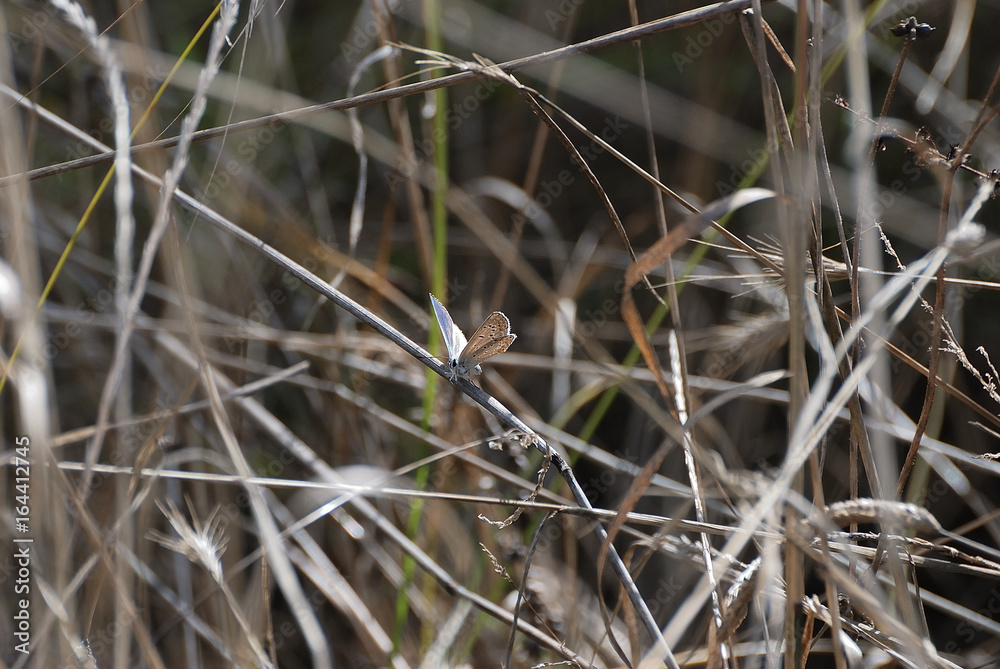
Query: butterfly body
(491, 338)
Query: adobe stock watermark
(30, 27)
(58, 340)
(666, 592)
(364, 34)
(247, 151)
(549, 191)
(562, 13)
(695, 45)
(968, 632)
(720, 363)
(261, 311)
(259, 316)
(598, 318)
(457, 113)
(594, 488)
(104, 133)
(756, 158)
(920, 341)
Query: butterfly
(492, 338)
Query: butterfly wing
(454, 339)
(492, 338)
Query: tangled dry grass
(750, 417)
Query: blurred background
(469, 195)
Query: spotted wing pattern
(492, 338)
